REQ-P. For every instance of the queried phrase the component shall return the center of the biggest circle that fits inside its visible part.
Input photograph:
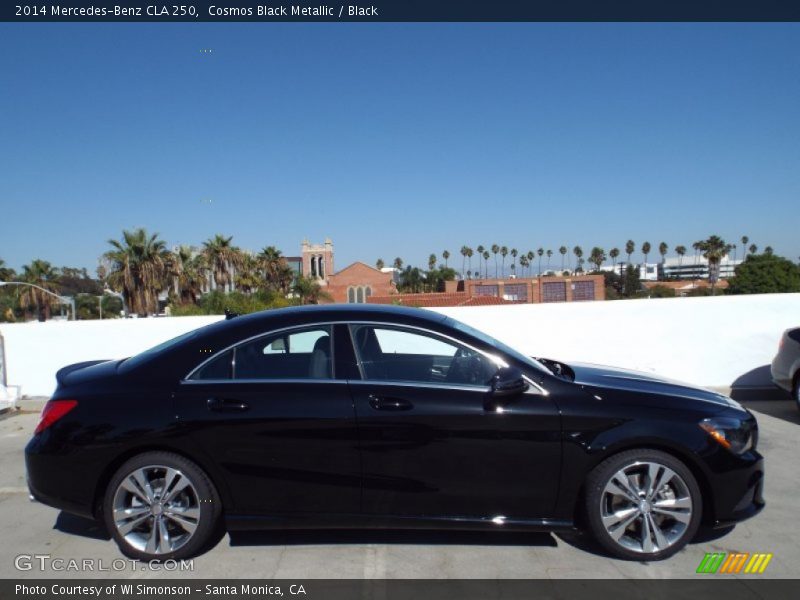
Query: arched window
(368, 293)
(313, 266)
(351, 295)
(360, 295)
(321, 268)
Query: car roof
(320, 312)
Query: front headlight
(733, 434)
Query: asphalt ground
(30, 529)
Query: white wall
(705, 341)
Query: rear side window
(296, 354)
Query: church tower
(318, 261)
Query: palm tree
(733, 246)
(470, 252)
(680, 251)
(714, 250)
(480, 250)
(309, 291)
(753, 248)
(247, 278)
(41, 273)
(6, 273)
(278, 275)
(662, 250)
(504, 253)
(486, 264)
(185, 270)
(495, 250)
(768, 251)
(523, 262)
(531, 255)
(614, 253)
(222, 257)
(563, 252)
(138, 269)
(745, 240)
(379, 264)
(431, 262)
(578, 252)
(445, 256)
(514, 254)
(597, 257)
(630, 247)
(398, 263)
(549, 254)
(645, 251)
(540, 252)
(464, 252)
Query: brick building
(358, 283)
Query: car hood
(602, 376)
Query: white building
(647, 271)
(696, 267)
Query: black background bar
(402, 10)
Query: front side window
(294, 354)
(396, 354)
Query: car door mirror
(507, 382)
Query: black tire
(199, 498)
(675, 533)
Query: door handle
(226, 405)
(388, 403)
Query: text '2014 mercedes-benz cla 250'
(385, 417)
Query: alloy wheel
(646, 507)
(156, 509)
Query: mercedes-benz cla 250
(384, 417)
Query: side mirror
(507, 382)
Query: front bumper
(739, 491)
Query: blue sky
(397, 139)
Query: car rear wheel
(643, 505)
(159, 506)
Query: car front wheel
(643, 505)
(160, 505)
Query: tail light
(53, 411)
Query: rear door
(277, 424)
(434, 446)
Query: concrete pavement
(33, 529)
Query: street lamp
(63, 299)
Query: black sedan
(384, 417)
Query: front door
(277, 424)
(432, 445)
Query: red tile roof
(438, 299)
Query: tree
(523, 262)
(247, 277)
(6, 273)
(503, 253)
(470, 252)
(563, 251)
(445, 256)
(138, 269)
(549, 254)
(431, 261)
(530, 256)
(714, 249)
(379, 264)
(486, 263)
(614, 253)
(398, 263)
(540, 251)
(662, 250)
(630, 247)
(578, 252)
(680, 251)
(495, 251)
(185, 271)
(309, 291)
(222, 257)
(661, 291)
(480, 250)
(514, 254)
(411, 280)
(464, 251)
(765, 274)
(39, 272)
(768, 250)
(646, 250)
(632, 285)
(597, 257)
(753, 248)
(745, 240)
(278, 275)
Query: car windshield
(504, 348)
(136, 360)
